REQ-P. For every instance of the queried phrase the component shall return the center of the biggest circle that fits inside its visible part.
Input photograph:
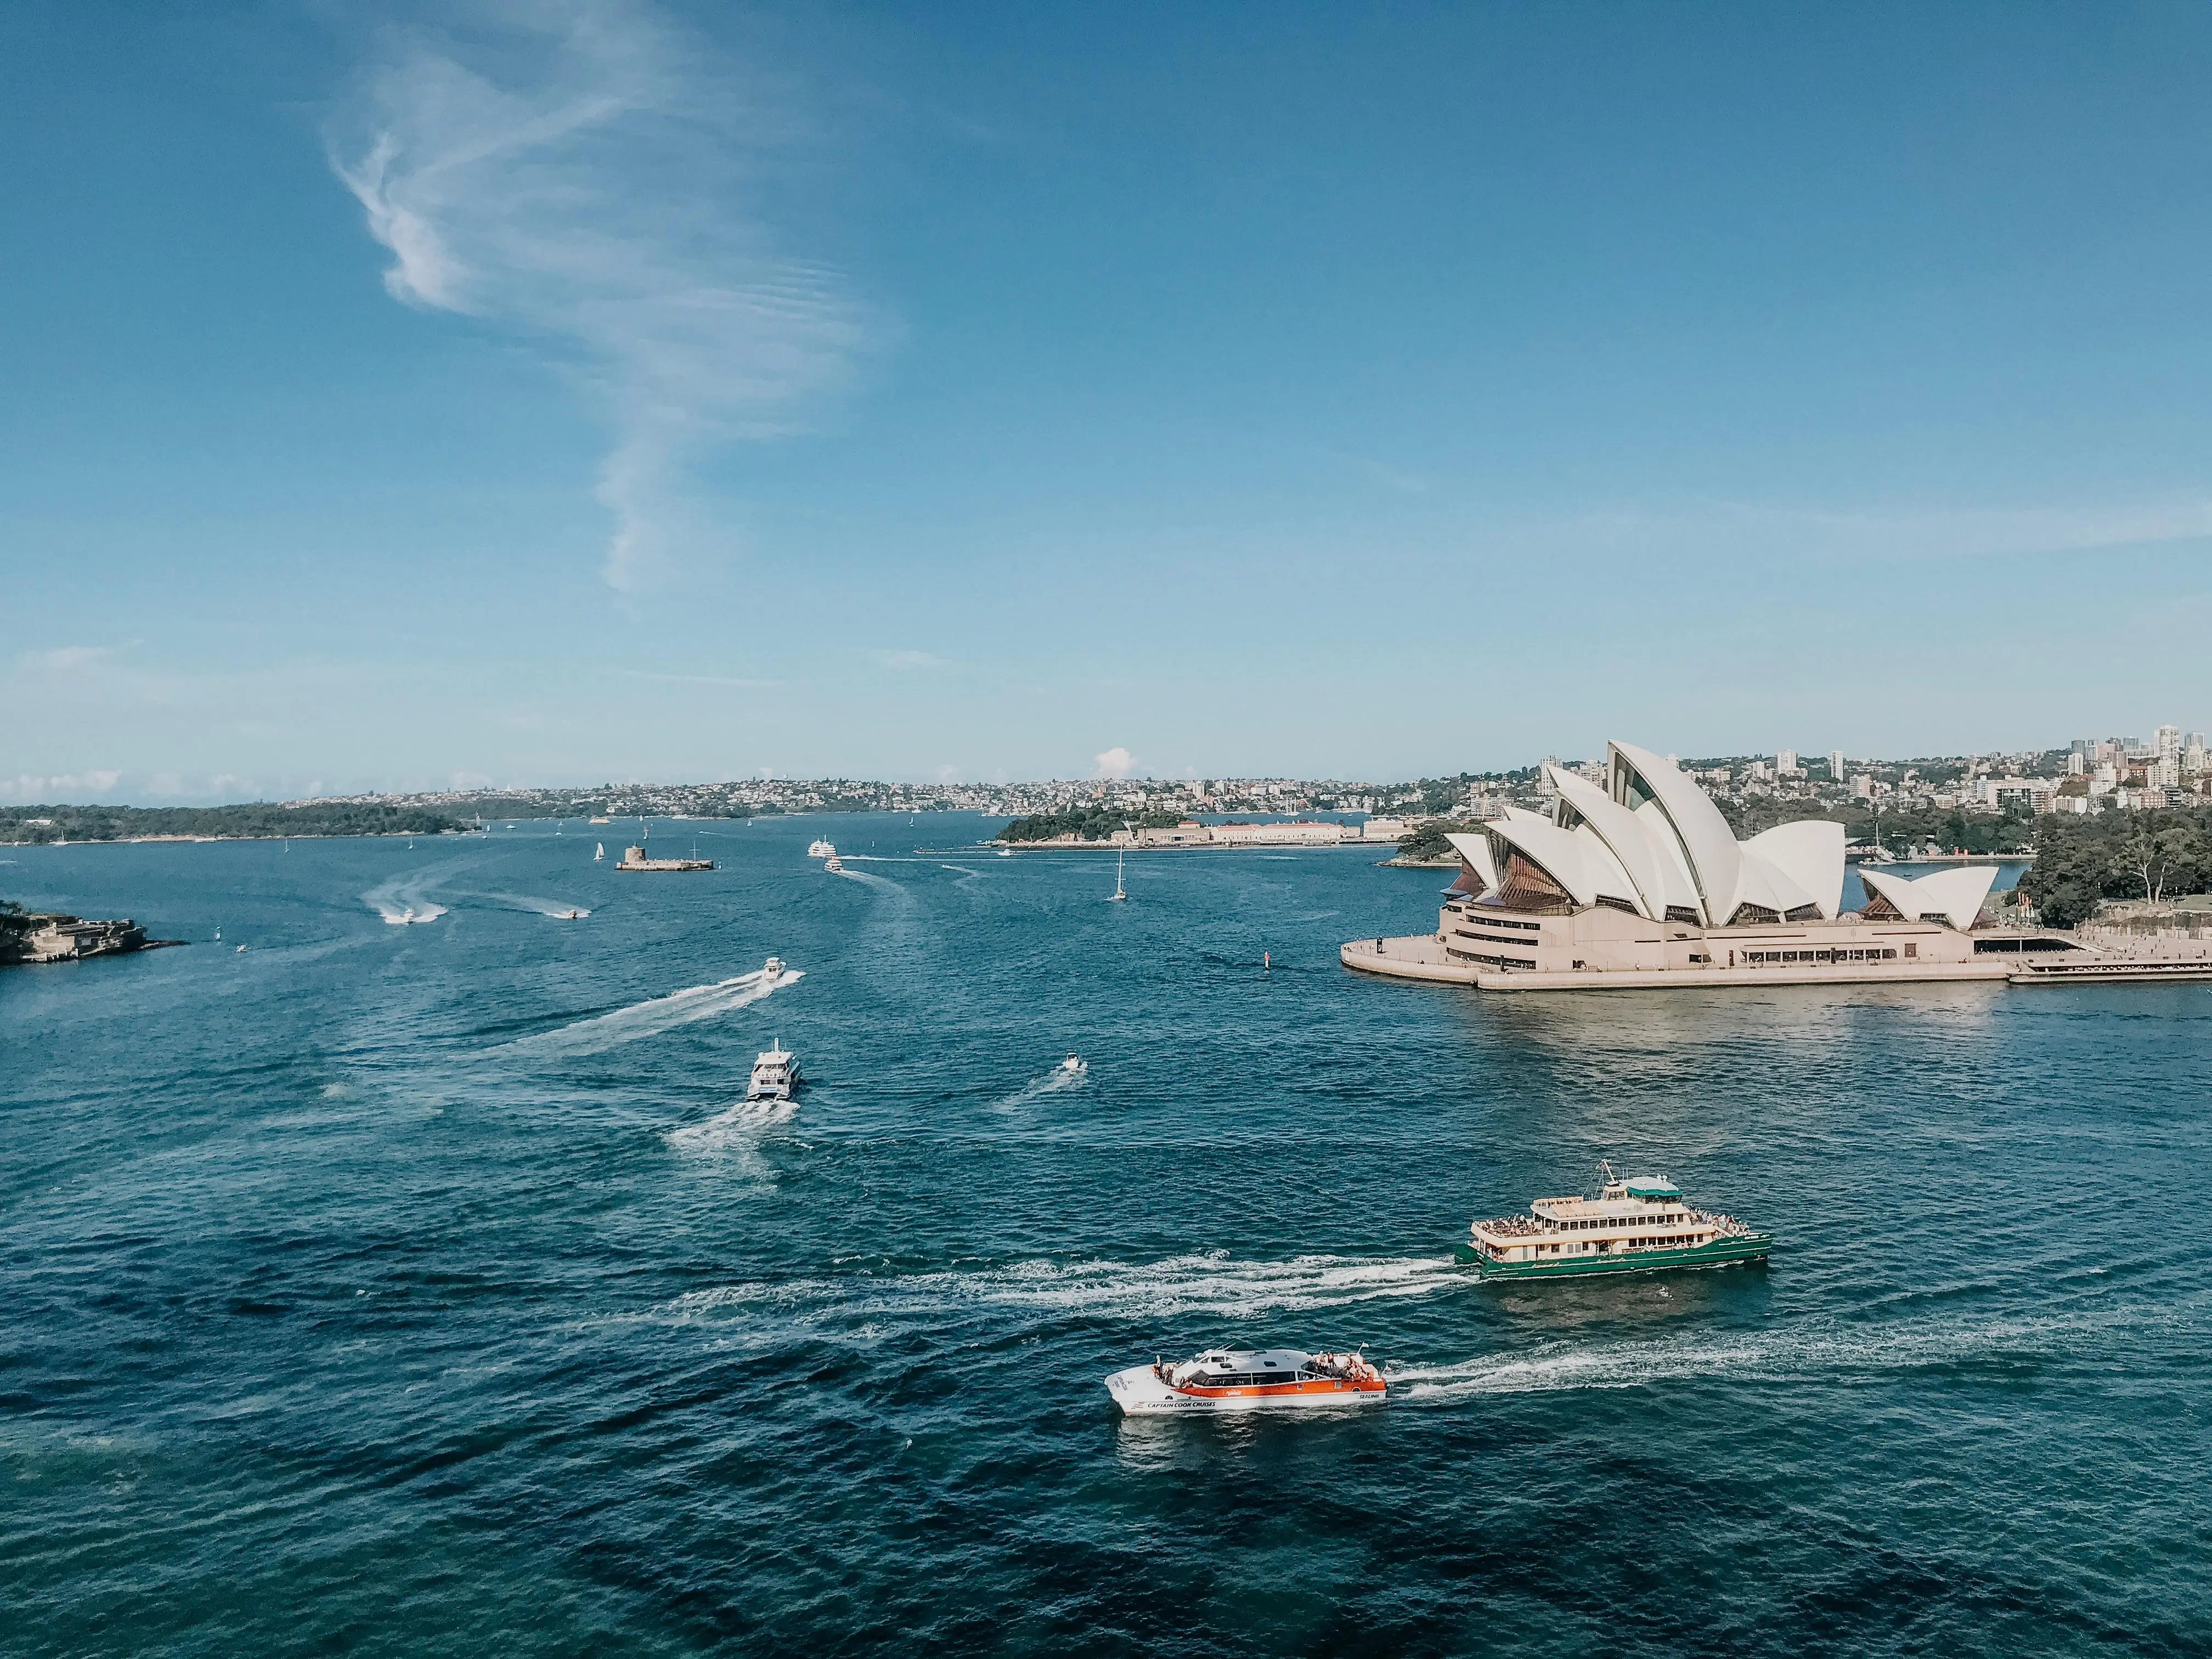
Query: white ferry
(1243, 1380)
(1632, 1226)
(833, 862)
(775, 1073)
(821, 849)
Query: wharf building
(1641, 882)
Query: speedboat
(771, 969)
(1075, 1064)
(1243, 1380)
(775, 1073)
(833, 862)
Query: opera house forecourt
(1643, 884)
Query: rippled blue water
(424, 1288)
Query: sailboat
(1120, 891)
(598, 851)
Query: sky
(598, 390)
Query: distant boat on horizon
(1120, 891)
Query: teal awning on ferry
(1652, 1189)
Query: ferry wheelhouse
(1239, 1379)
(1632, 1226)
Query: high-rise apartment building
(1836, 764)
(1785, 763)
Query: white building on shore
(1642, 881)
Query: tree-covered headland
(2079, 862)
(1085, 824)
(256, 820)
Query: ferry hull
(1721, 1253)
(1139, 1393)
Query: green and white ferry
(1630, 1226)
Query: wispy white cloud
(1858, 535)
(705, 679)
(902, 661)
(1115, 763)
(62, 659)
(590, 174)
(27, 789)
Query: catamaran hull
(1139, 1393)
(1721, 1253)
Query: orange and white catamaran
(1239, 1380)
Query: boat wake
(654, 1016)
(1801, 1356)
(1178, 1287)
(401, 900)
(559, 909)
(739, 1130)
(1058, 1081)
(864, 876)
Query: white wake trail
(559, 909)
(1211, 1286)
(1059, 1080)
(400, 901)
(739, 1130)
(649, 1018)
(1798, 1356)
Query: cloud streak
(62, 659)
(725, 680)
(589, 175)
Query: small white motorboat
(1075, 1065)
(1243, 1380)
(771, 969)
(775, 1073)
(833, 862)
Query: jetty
(634, 858)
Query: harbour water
(400, 1286)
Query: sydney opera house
(1642, 881)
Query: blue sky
(551, 393)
